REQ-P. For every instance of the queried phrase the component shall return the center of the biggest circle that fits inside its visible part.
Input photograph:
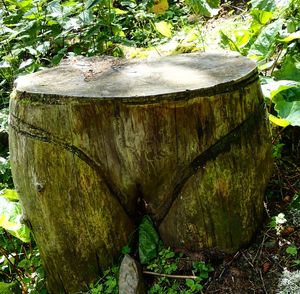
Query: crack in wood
(222, 145)
(30, 131)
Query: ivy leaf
(148, 240)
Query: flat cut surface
(106, 77)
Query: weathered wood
(97, 143)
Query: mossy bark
(87, 169)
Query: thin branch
(263, 283)
(170, 276)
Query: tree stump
(97, 143)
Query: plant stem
(170, 276)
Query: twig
(247, 259)
(170, 276)
(229, 263)
(276, 60)
(263, 283)
(258, 252)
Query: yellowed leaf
(278, 121)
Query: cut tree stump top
(109, 78)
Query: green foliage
(271, 39)
(206, 8)
(36, 34)
(21, 262)
(108, 284)
(292, 250)
(10, 216)
(148, 241)
(163, 263)
(277, 148)
(167, 262)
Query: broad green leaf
(288, 94)
(226, 41)
(291, 37)
(265, 5)
(278, 121)
(119, 11)
(164, 28)
(4, 64)
(203, 7)
(290, 69)
(260, 17)
(148, 240)
(26, 63)
(214, 3)
(55, 9)
(270, 5)
(10, 215)
(10, 194)
(292, 250)
(92, 3)
(263, 47)
(272, 88)
(24, 4)
(86, 17)
(289, 111)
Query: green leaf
(260, 17)
(278, 121)
(289, 111)
(264, 45)
(290, 69)
(291, 37)
(203, 7)
(265, 5)
(148, 240)
(226, 41)
(296, 202)
(55, 9)
(10, 194)
(270, 5)
(272, 88)
(164, 28)
(10, 219)
(92, 3)
(288, 94)
(189, 282)
(292, 250)
(214, 3)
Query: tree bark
(97, 143)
